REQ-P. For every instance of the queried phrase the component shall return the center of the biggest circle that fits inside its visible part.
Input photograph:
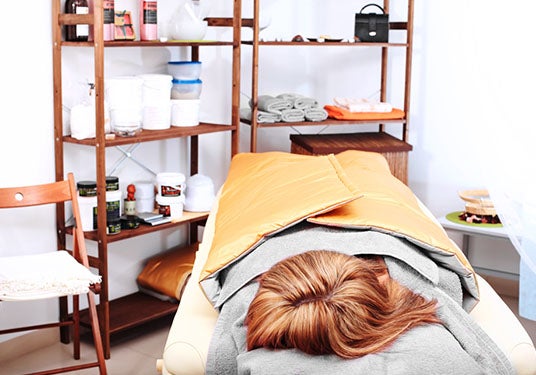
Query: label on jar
(82, 30)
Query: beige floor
(136, 352)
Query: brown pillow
(168, 272)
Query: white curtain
(504, 64)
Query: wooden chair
(52, 274)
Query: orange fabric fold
(343, 114)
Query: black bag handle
(373, 5)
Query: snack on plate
(479, 208)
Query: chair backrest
(55, 192)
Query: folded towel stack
(286, 107)
(299, 101)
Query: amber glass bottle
(76, 33)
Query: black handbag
(372, 27)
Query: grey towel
(315, 114)
(272, 104)
(299, 101)
(292, 115)
(262, 116)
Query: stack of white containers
(185, 92)
(156, 101)
(125, 100)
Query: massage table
(185, 351)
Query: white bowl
(193, 30)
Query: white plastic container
(113, 204)
(170, 184)
(88, 213)
(156, 88)
(125, 100)
(187, 70)
(185, 112)
(124, 91)
(157, 117)
(186, 89)
(199, 195)
(145, 196)
(170, 206)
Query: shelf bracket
(127, 154)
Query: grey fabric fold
(459, 346)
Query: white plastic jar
(170, 206)
(145, 196)
(170, 184)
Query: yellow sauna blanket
(268, 192)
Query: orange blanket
(343, 114)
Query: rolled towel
(292, 115)
(262, 116)
(362, 105)
(299, 101)
(272, 104)
(315, 114)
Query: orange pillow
(167, 273)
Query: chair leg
(95, 328)
(76, 327)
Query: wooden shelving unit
(378, 138)
(129, 311)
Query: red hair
(326, 302)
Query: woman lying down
(319, 300)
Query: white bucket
(157, 117)
(156, 88)
(170, 184)
(144, 195)
(125, 91)
(170, 206)
(88, 213)
(185, 112)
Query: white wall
(462, 66)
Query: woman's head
(325, 302)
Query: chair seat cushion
(44, 275)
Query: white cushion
(44, 275)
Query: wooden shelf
(134, 310)
(187, 217)
(156, 135)
(310, 44)
(328, 122)
(151, 43)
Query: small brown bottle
(76, 33)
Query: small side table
(472, 230)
